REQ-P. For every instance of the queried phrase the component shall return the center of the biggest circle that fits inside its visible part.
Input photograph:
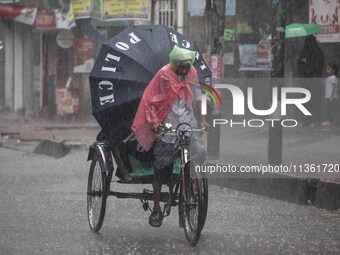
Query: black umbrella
(124, 67)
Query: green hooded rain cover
(180, 56)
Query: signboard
(45, 20)
(81, 8)
(83, 58)
(127, 10)
(65, 39)
(326, 14)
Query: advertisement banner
(56, 19)
(83, 58)
(127, 10)
(326, 14)
(82, 9)
(70, 17)
(19, 14)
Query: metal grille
(165, 13)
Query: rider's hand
(155, 127)
(205, 124)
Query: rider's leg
(163, 153)
(156, 216)
(157, 188)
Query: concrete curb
(328, 195)
(305, 191)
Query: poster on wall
(248, 56)
(243, 27)
(254, 57)
(263, 52)
(216, 66)
(228, 58)
(230, 8)
(229, 34)
(83, 58)
(197, 7)
(326, 14)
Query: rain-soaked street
(43, 211)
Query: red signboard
(45, 20)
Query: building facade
(42, 64)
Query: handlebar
(179, 130)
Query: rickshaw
(124, 66)
(187, 189)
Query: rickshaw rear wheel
(97, 193)
(195, 204)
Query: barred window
(165, 13)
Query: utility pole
(215, 10)
(217, 19)
(277, 76)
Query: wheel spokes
(96, 195)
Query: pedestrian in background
(330, 100)
(310, 65)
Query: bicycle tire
(97, 192)
(195, 205)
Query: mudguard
(103, 151)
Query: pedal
(167, 209)
(146, 206)
(146, 191)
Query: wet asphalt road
(43, 211)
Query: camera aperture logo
(211, 92)
(275, 114)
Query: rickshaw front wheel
(194, 202)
